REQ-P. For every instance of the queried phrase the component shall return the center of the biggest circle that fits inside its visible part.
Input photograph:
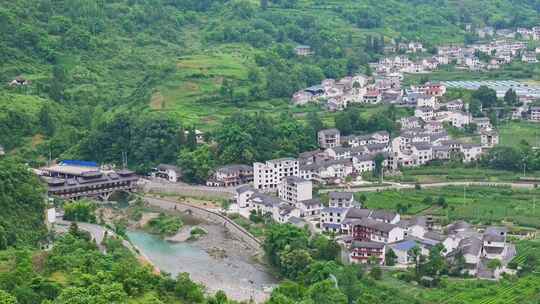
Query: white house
(471, 248)
(403, 248)
(489, 139)
(267, 176)
(454, 105)
(331, 218)
(311, 207)
(242, 196)
(368, 229)
(471, 152)
(293, 189)
(494, 243)
(424, 113)
(482, 123)
(170, 172)
(329, 138)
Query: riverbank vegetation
(164, 224)
(76, 272)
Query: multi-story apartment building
(376, 231)
(231, 175)
(535, 114)
(364, 252)
(293, 190)
(267, 176)
(329, 138)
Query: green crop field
(444, 173)
(512, 133)
(477, 204)
(514, 71)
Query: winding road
(97, 232)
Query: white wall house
(293, 189)
(267, 176)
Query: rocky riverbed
(217, 260)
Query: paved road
(160, 185)
(97, 232)
(398, 186)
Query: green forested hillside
(146, 68)
(22, 204)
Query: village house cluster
(338, 94)
(501, 52)
(368, 234)
(385, 85)
(525, 33)
(422, 139)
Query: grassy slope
(108, 74)
(512, 133)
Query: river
(236, 273)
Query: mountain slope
(91, 60)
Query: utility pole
(464, 193)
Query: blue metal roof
(404, 246)
(330, 225)
(80, 163)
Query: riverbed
(234, 270)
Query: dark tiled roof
(312, 202)
(341, 195)
(495, 234)
(374, 245)
(434, 236)
(376, 225)
(470, 245)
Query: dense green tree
(487, 96)
(293, 262)
(21, 198)
(80, 211)
(191, 139)
(325, 292)
(511, 98)
(287, 292)
(379, 161)
(188, 290)
(280, 237)
(6, 298)
(46, 120)
(390, 258)
(503, 158)
(320, 270)
(325, 248)
(349, 282)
